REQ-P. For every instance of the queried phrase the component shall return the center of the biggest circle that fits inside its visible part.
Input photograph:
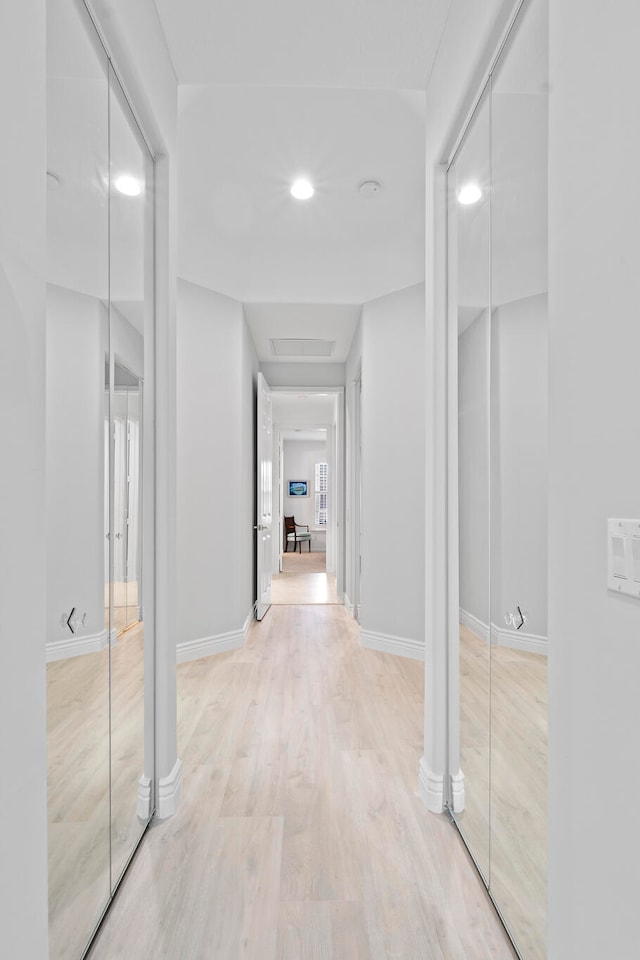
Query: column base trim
(431, 788)
(169, 792)
(143, 805)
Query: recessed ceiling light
(128, 185)
(302, 190)
(470, 193)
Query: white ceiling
(502, 250)
(384, 44)
(304, 409)
(299, 433)
(335, 322)
(240, 232)
(269, 92)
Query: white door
(264, 523)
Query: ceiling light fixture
(302, 190)
(127, 185)
(470, 193)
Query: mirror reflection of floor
(304, 579)
(505, 769)
(92, 827)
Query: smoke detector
(368, 188)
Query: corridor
(301, 834)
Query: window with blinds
(321, 495)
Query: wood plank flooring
(503, 754)
(95, 709)
(301, 835)
(304, 579)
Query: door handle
(517, 619)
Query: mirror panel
(519, 478)
(469, 261)
(77, 343)
(497, 261)
(131, 325)
(100, 323)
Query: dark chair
(295, 533)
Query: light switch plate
(623, 557)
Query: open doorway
(305, 505)
(307, 500)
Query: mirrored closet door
(99, 336)
(499, 336)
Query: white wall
(300, 458)
(473, 469)
(23, 745)
(393, 465)
(520, 462)
(282, 374)
(594, 348)
(516, 551)
(77, 338)
(216, 375)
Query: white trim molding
(77, 646)
(207, 646)
(349, 607)
(476, 626)
(457, 792)
(431, 788)
(398, 646)
(169, 792)
(527, 642)
(143, 806)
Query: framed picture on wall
(297, 488)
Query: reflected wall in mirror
(502, 479)
(519, 478)
(469, 258)
(77, 342)
(99, 474)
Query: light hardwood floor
(95, 709)
(503, 754)
(301, 835)
(304, 579)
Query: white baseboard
(143, 806)
(76, 646)
(247, 623)
(348, 605)
(398, 646)
(169, 792)
(501, 637)
(476, 626)
(431, 788)
(207, 646)
(529, 642)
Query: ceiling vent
(302, 348)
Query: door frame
(336, 460)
